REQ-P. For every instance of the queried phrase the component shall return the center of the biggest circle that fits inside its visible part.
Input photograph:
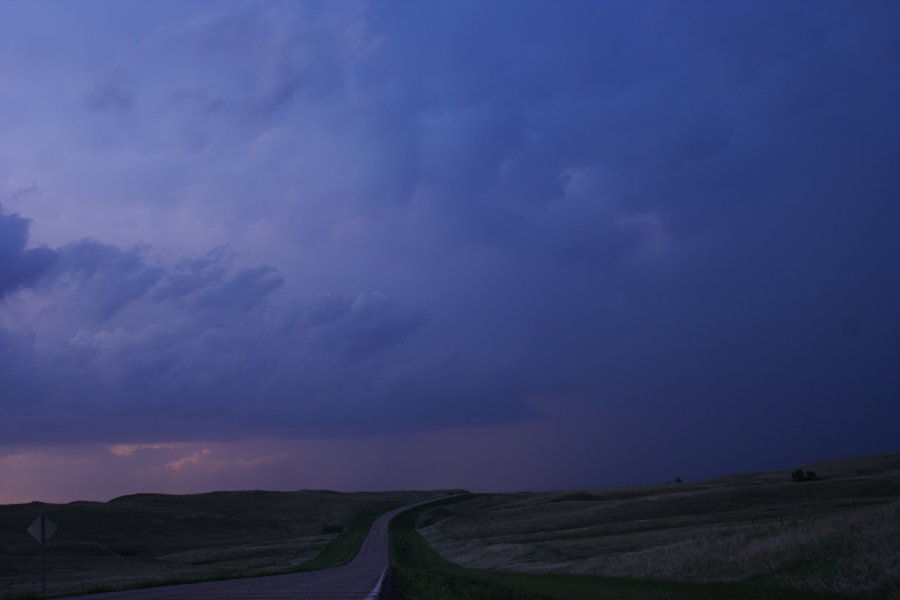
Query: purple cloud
(20, 267)
(425, 215)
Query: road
(360, 579)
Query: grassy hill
(838, 535)
(751, 535)
(146, 538)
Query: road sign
(42, 529)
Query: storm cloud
(348, 219)
(149, 350)
(20, 267)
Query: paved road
(360, 579)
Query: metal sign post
(41, 530)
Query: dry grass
(839, 535)
(158, 538)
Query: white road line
(376, 591)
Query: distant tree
(801, 475)
(678, 480)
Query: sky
(494, 245)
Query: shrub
(801, 475)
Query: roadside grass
(150, 540)
(344, 547)
(424, 575)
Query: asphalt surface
(360, 579)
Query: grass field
(759, 531)
(148, 539)
(425, 575)
(748, 536)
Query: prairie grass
(155, 539)
(423, 574)
(839, 536)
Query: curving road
(360, 579)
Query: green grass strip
(424, 575)
(344, 547)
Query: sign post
(41, 530)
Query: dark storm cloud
(108, 277)
(695, 198)
(202, 347)
(19, 266)
(205, 284)
(363, 326)
(680, 214)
